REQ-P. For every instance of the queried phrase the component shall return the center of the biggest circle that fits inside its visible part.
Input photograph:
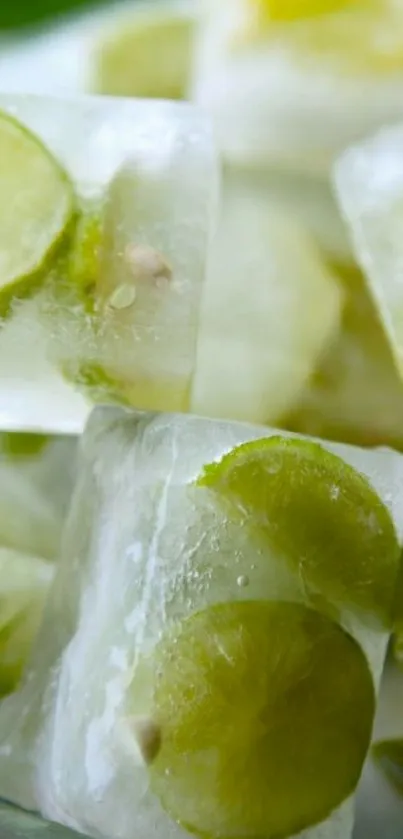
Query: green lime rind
(38, 209)
(265, 711)
(388, 754)
(317, 514)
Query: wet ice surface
(137, 554)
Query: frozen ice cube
(120, 278)
(145, 548)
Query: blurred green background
(22, 13)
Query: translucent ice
(149, 553)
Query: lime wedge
(265, 712)
(318, 515)
(37, 205)
(148, 56)
(24, 584)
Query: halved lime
(265, 711)
(24, 584)
(318, 515)
(37, 205)
(148, 56)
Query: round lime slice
(24, 584)
(317, 514)
(37, 204)
(265, 711)
(148, 56)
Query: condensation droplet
(243, 581)
(123, 297)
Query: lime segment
(36, 207)
(265, 711)
(317, 514)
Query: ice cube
(145, 548)
(296, 92)
(119, 262)
(270, 309)
(369, 180)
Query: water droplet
(243, 581)
(123, 297)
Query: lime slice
(37, 205)
(24, 584)
(148, 55)
(317, 514)
(265, 711)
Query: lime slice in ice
(318, 515)
(36, 207)
(147, 56)
(265, 712)
(24, 583)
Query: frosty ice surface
(149, 556)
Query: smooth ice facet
(143, 547)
